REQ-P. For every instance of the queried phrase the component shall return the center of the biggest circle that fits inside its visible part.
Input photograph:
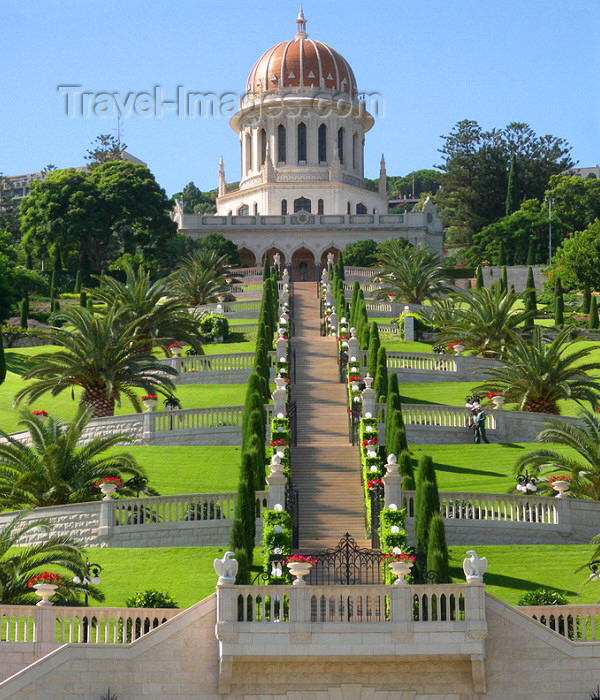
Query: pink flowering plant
(109, 480)
(300, 559)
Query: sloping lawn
(516, 569)
(181, 470)
(63, 405)
(479, 468)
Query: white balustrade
(579, 623)
(196, 418)
(421, 360)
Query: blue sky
(434, 63)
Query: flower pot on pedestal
(299, 569)
(458, 348)
(150, 404)
(497, 401)
(561, 486)
(175, 351)
(108, 488)
(44, 590)
(400, 569)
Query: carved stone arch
(303, 263)
(331, 248)
(248, 257)
(271, 250)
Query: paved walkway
(326, 468)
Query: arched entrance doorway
(303, 265)
(272, 252)
(333, 250)
(247, 258)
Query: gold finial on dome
(301, 26)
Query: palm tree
(585, 440)
(413, 275)
(158, 320)
(199, 278)
(536, 374)
(485, 320)
(19, 564)
(48, 468)
(101, 355)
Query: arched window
(243, 210)
(361, 209)
(320, 207)
(302, 142)
(263, 146)
(322, 143)
(281, 156)
(341, 144)
(354, 151)
(284, 207)
(229, 213)
(302, 204)
(349, 209)
(255, 209)
(248, 152)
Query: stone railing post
(368, 397)
(148, 427)
(563, 513)
(501, 431)
(333, 323)
(281, 347)
(409, 327)
(401, 618)
(45, 629)
(106, 521)
(300, 627)
(461, 370)
(392, 483)
(276, 482)
(353, 344)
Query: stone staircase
(326, 468)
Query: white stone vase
(299, 569)
(176, 352)
(150, 404)
(562, 487)
(400, 569)
(458, 349)
(108, 488)
(497, 401)
(44, 590)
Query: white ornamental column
(279, 396)
(368, 397)
(392, 483)
(353, 344)
(276, 485)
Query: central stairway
(326, 467)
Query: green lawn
(185, 572)
(516, 569)
(478, 468)
(190, 395)
(181, 470)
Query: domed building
(301, 127)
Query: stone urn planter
(400, 569)
(458, 348)
(299, 569)
(150, 404)
(108, 489)
(175, 350)
(562, 486)
(497, 401)
(45, 590)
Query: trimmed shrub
(437, 550)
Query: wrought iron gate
(346, 564)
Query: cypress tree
(77, 286)
(528, 323)
(24, 312)
(513, 196)
(83, 299)
(593, 322)
(437, 550)
(2, 360)
(380, 385)
(428, 503)
(374, 345)
(504, 279)
(398, 443)
(531, 252)
(256, 447)
(243, 575)
(52, 289)
(587, 299)
(479, 278)
(502, 254)
(559, 304)
(57, 259)
(354, 303)
(530, 285)
(56, 306)
(405, 468)
(341, 265)
(393, 402)
(266, 268)
(426, 470)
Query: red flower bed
(552, 479)
(374, 483)
(300, 559)
(109, 480)
(279, 443)
(370, 441)
(40, 413)
(403, 556)
(45, 577)
(491, 394)
(149, 397)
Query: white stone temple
(301, 127)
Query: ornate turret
(382, 178)
(222, 183)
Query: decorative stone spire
(300, 26)
(222, 183)
(336, 172)
(269, 170)
(382, 178)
